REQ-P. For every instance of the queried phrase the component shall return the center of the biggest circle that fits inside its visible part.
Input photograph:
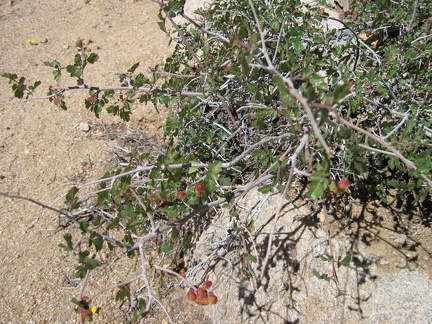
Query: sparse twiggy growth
(263, 95)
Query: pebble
(84, 127)
(399, 239)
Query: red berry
(206, 285)
(181, 195)
(201, 293)
(198, 188)
(92, 99)
(202, 301)
(191, 294)
(212, 299)
(86, 313)
(341, 186)
(56, 101)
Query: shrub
(264, 94)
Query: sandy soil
(43, 153)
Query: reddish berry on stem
(212, 299)
(191, 294)
(341, 186)
(206, 285)
(201, 293)
(181, 195)
(198, 188)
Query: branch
(144, 265)
(195, 212)
(198, 60)
(392, 151)
(413, 16)
(117, 88)
(68, 215)
(300, 148)
(225, 166)
(409, 164)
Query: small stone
(84, 127)
(400, 239)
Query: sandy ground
(43, 153)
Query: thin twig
(409, 164)
(301, 146)
(68, 215)
(84, 283)
(198, 60)
(195, 212)
(150, 215)
(332, 256)
(173, 273)
(144, 265)
(124, 283)
(118, 88)
(413, 16)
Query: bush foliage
(263, 94)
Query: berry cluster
(201, 295)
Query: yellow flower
(94, 309)
(32, 41)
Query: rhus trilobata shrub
(262, 94)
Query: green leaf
(122, 293)
(318, 81)
(10, 76)
(55, 64)
(68, 238)
(73, 70)
(140, 311)
(251, 258)
(341, 91)
(206, 49)
(84, 226)
(71, 195)
(266, 189)
(345, 261)
(92, 263)
(75, 301)
(215, 167)
(323, 276)
(285, 96)
(134, 67)
(161, 25)
(316, 190)
(93, 57)
(81, 271)
(57, 75)
(140, 80)
(165, 247)
(19, 90)
(35, 85)
(97, 240)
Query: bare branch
(68, 215)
